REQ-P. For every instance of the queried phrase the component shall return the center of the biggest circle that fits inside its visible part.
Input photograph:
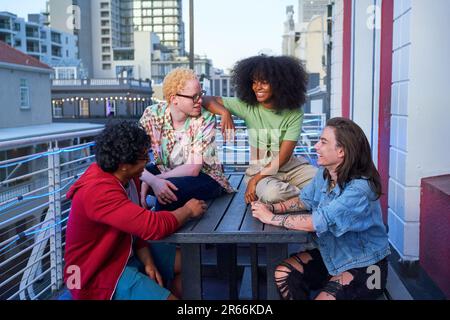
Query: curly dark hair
(121, 142)
(285, 74)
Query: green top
(267, 129)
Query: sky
(225, 30)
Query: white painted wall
(336, 59)
(420, 113)
(143, 54)
(39, 111)
(364, 103)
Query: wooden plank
(191, 224)
(283, 236)
(251, 224)
(234, 215)
(212, 217)
(191, 275)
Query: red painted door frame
(384, 133)
(347, 59)
(387, 30)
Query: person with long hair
(345, 222)
(271, 91)
(107, 256)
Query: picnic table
(229, 222)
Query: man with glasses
(183, 145)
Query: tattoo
(296, 221)
(293, 205)
(280, 219)
(291, 221)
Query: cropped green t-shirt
(267, 129)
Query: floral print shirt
(196, 145)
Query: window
(169, 28)
(110, 108)
(84, 108)
(57, 109)
(65, 73)
(106, 66)
(24, 94)
(169, 12)
(224, 88)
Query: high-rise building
(32, 37)
(109, 31)
(165, 18)
(306, 38)
(307, 9)
(74, 17)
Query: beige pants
(285, 184)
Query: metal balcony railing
(131, 83)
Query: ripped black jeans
(367, 284)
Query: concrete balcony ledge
(434, 230)
(124, 83)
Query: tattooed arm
(302, 222)
(291, 205)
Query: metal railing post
(54, 182)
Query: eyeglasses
(195, 97)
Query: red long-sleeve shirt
(99, 232)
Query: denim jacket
(349, 229)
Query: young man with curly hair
(271, 92)
(106, 255)
(183, 134)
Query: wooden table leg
(227, 267)
(275, 254)
(191, 273)
(254, 264)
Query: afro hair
(285, 74)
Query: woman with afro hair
(270, 93)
